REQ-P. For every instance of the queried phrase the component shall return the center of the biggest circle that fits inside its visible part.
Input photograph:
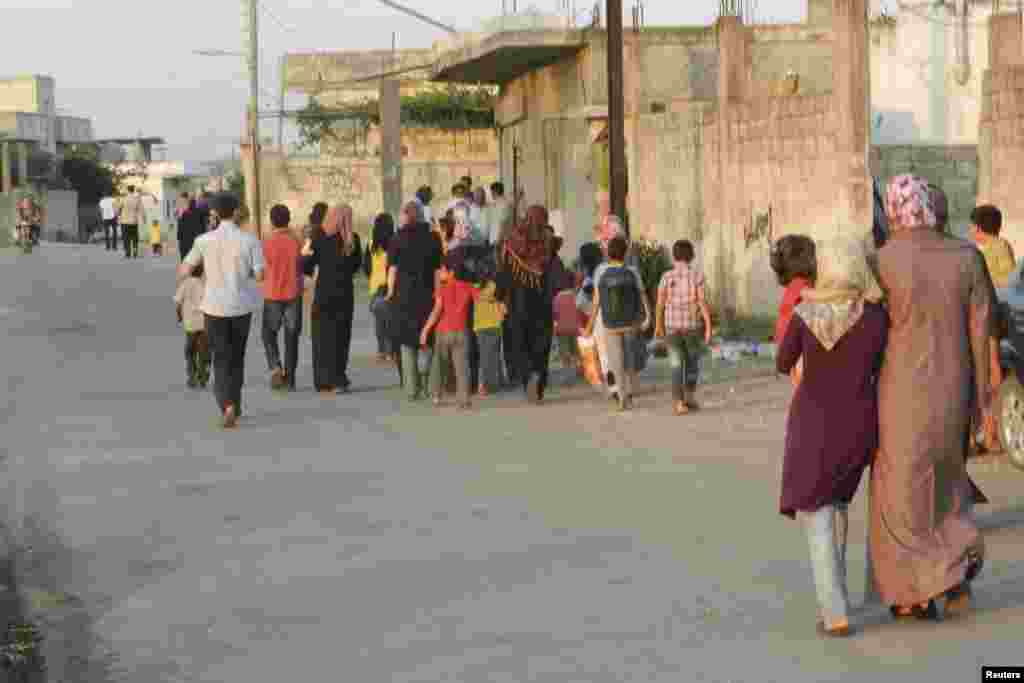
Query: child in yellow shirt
(987, 221)
(156, 238)
(488, 314)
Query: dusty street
(365, 540)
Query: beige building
(349, 168)
(29, 120)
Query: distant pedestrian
(156, 238)
(488, 314)
(498, 216)
(621, 311)
(832, 430)
(188, 302)
(684, 321)
(335, 258)
(132, 215)
(108, 212)
(191, 224)
(424, 196)
(414, 256)
(451, 339)
(527, 282)
(282, 298)
(233, 265)
(314, 230)
(375, 264)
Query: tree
(86, 175)
(451, 108)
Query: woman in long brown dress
(935, 378)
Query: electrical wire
(276, 19)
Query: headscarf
(466, 232)
(835, 303)
(339, 222)
(527, 251)
(908, 203)
(383, 231)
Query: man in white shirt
(108, 212)
(499, 214)
(132, 215)
(232, 261)
(424, 196)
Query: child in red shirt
(793, 260)
(451, 339)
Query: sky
(130, 66)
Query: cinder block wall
(1001, 139)
(794, 149)
(954, 168)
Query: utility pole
(250, 13)
(284, 94)
(616, 111)
(391, 137)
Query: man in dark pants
(132, 215)
(108, 211)
(282, 294)
(233, 264)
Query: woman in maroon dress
(832, 430)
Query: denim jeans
(490, 358)
(826, 530)
(684, 349)
(451, 347)
(379, 307)
(286, 314)
(412, 376)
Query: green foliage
(453, 108)
(653, 262)
(236, 184)
(87, 176)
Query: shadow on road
(33, 572)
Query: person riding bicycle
(28, 220)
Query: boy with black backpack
(621, 312)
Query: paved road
(364, 540)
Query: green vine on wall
(454, 108)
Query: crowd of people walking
(889, 346)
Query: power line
(276, 19)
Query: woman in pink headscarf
(923, 540)
(336, 257)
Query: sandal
(840, 629)
(929, 612)
(681, 408)
(958, 600)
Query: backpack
(566, 315)
(621, 304)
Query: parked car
(1010, 402)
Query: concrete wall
(61, 215)
(434, 157)
(953, 168)
(768, 145)
(926, 74)
(1001, 144)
